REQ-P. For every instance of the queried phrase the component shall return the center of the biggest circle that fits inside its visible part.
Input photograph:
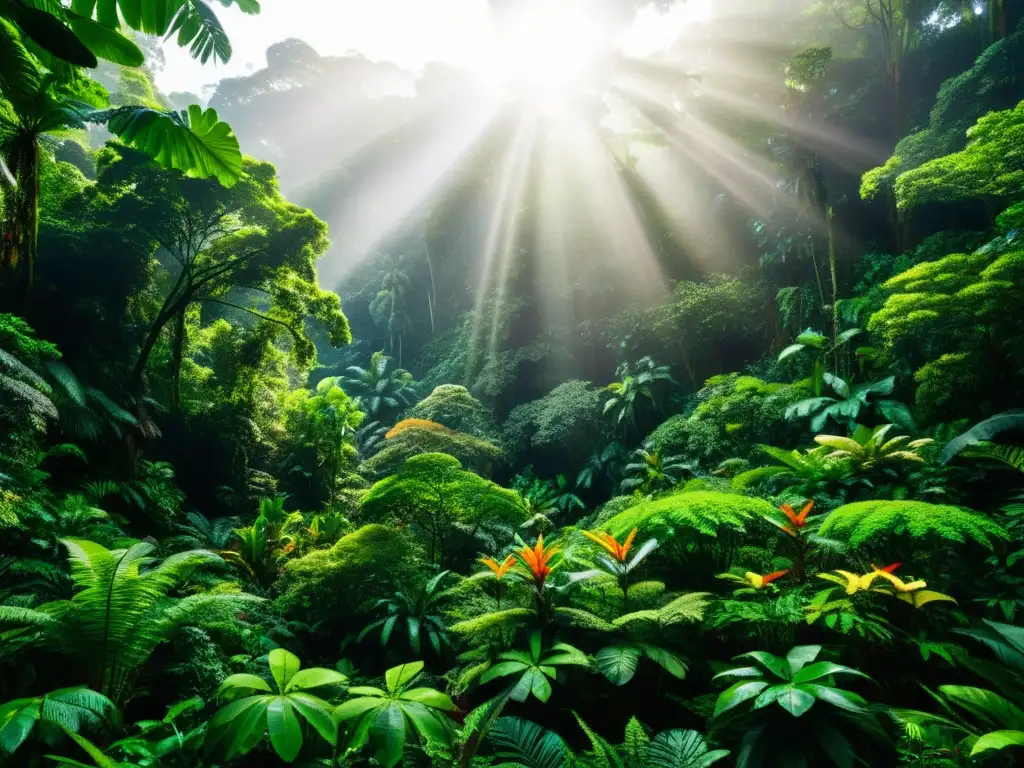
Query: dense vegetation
(769, 516)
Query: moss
(708, 513)
(361, 567)
(871, 522)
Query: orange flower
(606, 540)
(536, 560)
(887, 569)
(500, 569)
(758, 582)
(797, 519)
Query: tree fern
(121, 610)
(708, 513)
(868, 522)
(523, 744)
(69, 709)
(1011, 455)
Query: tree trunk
(177, 352)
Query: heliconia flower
(900, 585)
(796, 519)
(536, 559)
(759, 582)
(500, 569)
(606, 540)
(890, 568)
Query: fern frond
(707, 513)
(488, 622)
(871, 521)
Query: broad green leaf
(837, 697)
(367, 690)
(317, 713)
(985, 704)
(741, 672)
(618, 662)
(795, 700)
(430, 698)
(540, 687)
(17, 718)
(396, 677)
(283, 666)
(777, 666)
(737, 693)
(428, 723)
(50, 34)
(198, 145)
(502, 669)
(521, 690)
(670, 662)
(243, 682)
(823, 668)
(998, 740)
(355, 707)
(800, 655)
(314, 677)
(387, 734)
(106, 43)
(284, 728)
(792, 349)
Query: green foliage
(637, 382)
(380, 388)
(702, 512)
(650, 471)
(440, 500)
(385, 719)
(256, 710)
(519, 742)
(454, 407)
(534, 666)
(564, 419)
(871, 523)
(990, 167)
(943, 317)
(69, 709)
(362, 566)
(416, 439)
(120, 612)
(414, 612)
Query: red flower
(796, 519)
(536, 559)
(606, 540)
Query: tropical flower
(536, 560)
(797, 520)
(606, 540)
(500, 569)
(759, 582)
(856, 583)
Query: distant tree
(451, 509)
(216, 241)
(388, 308)
(380, 388)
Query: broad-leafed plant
(385, 719)
(535, 667)
(257, 710)
(773, 693)
(414, 612)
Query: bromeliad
(797, 520)
(619, 564)
(606, 540)
(498, 570)
(536, 560)
(754, 580)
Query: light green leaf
(396, 677)
(823, 668)
(106, 43)
(430, 698)
(285, 730)
(736, 694)
(998, 740)
(618, 662)
(243, 682)
(283, 666)
(314, 677)
(387, 734)
(355, 707)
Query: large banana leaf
(195, 141)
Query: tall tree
(213, 242)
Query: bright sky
(406, 32)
